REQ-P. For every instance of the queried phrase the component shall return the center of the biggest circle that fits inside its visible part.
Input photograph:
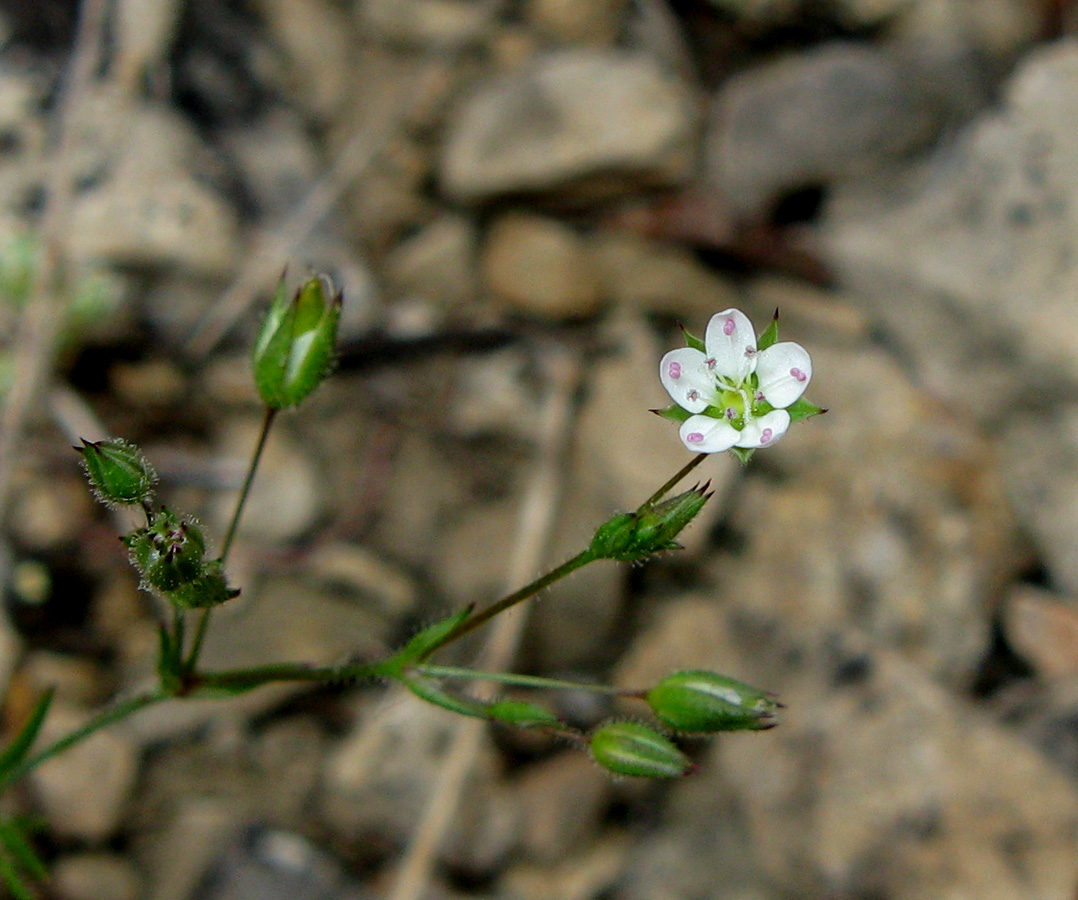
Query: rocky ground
(521, 200)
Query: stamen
(731, 413)
(728, 326)
(694, 394)
(674, 370)
(750, 351)
(710, 363)
(798, 374)
(694, 438)
(766, 435)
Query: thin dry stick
(533, 533)
(41, 318)
(273, 248)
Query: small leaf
(16, 751)
(428, 639)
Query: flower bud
(295, 348)
(628, 748)
(632, 536)
(696, 700)
(521, 714)
(118, 472)
(168, 553)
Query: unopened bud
(521, 714)
(168, 553)
(632, 536)
(296, 345)
(628, 748)
(696, 700)
(118, 472)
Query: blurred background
(521, 200)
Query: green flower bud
(295, 348)
(118, 472)
(208, 589)
(627, 748)
(696, 700)
(632, 536)
(521, 714)
(168, 553)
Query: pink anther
(798, 374)
(675, 370)
(728, 326)
(766, 435)
(694, 438)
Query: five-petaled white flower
(737, 395)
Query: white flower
(737, 395)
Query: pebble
(538, 266)
(762, 140)
(1043, 629)
(594, 22)
(95, 876)
(84, 792)
(599, 120)
(437, 263)
(430, 24)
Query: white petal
(731, 343)
(688, 380)
(705, 434)
(763, 431)
(784, 371)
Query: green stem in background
(233, 526)
(681, 473)
(528, 681)
(518, 596)
(105, 718)
(235, 681)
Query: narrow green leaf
(16, 751)
(10, 875)
(15, 841)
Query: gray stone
(813, 118)
(539, 266)
(579, 21)
(438, 263)
(96, 876)
(590, 118)
(84, 791)
(1043, 629)
(968, 258)
(432, 24)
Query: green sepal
(428, 639)
(521, 714)
(803, 409)
(14, 753)
(207, 589)
(693, 341)
(770, 334)
(432, 693)
(744, 454)
(629, 748)
(696, 700)
(673, 412)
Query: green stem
(681, 473)
(518, 596)
(238, 680)
(267, 423)
(109, 716)
(233, 526)
(530, 681)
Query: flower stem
(681, 473)
(518, 596)
(256, 457)
(234, 681)
(530, 681)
